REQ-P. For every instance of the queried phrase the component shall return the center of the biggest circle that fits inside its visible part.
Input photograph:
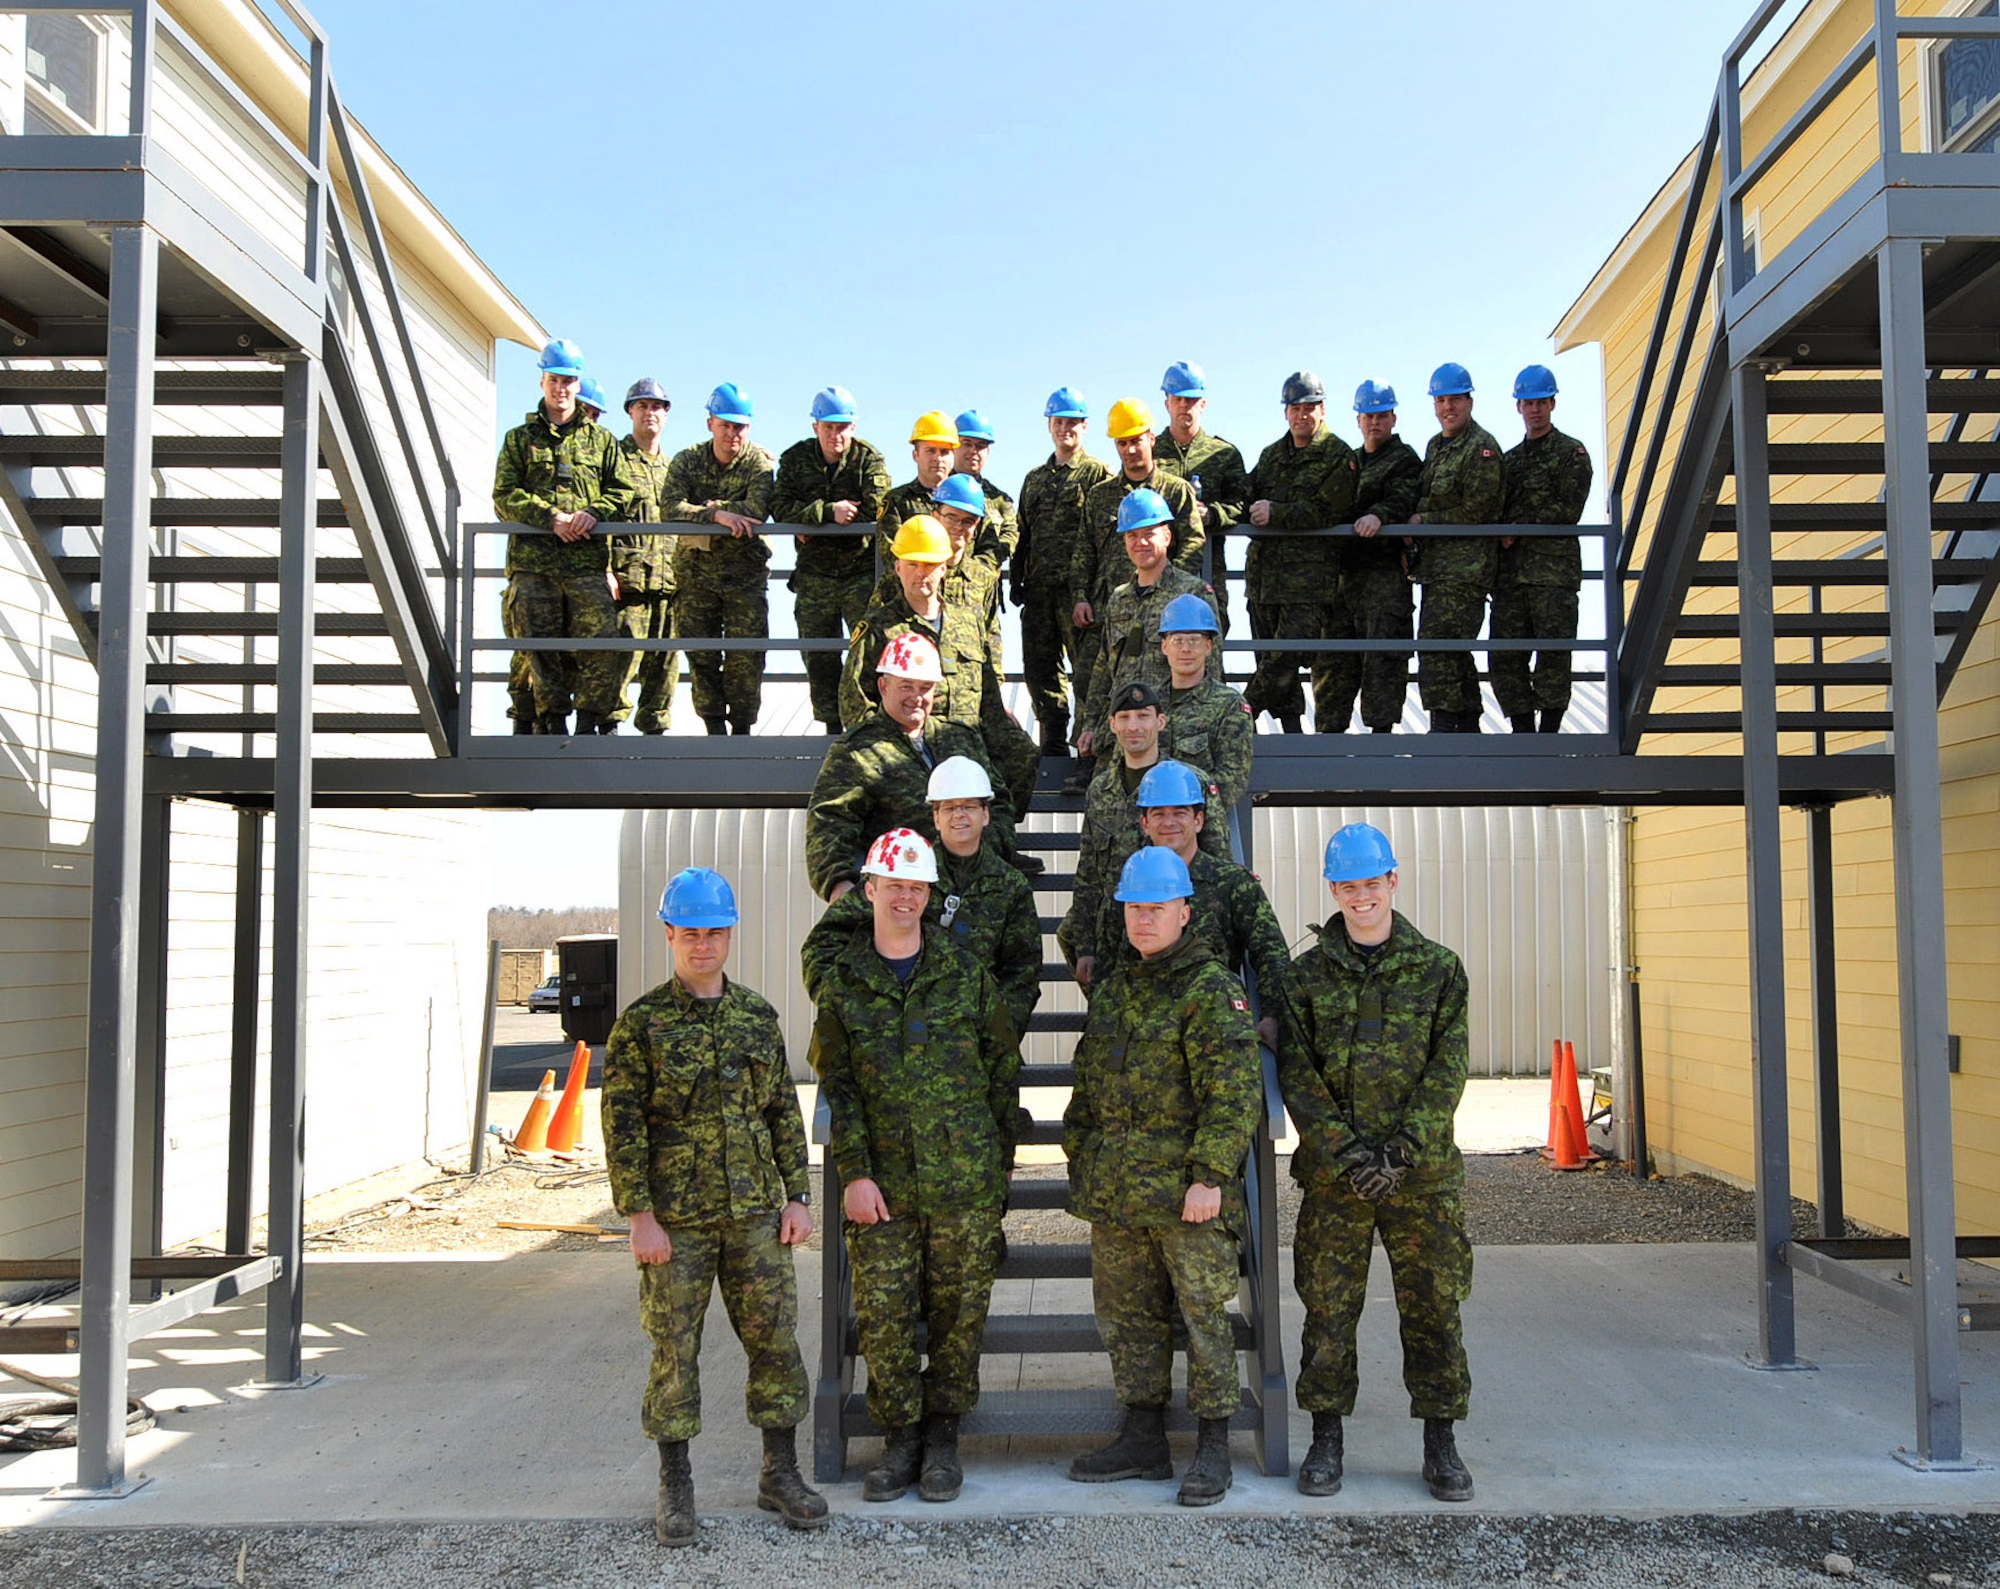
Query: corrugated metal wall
(1523, 895)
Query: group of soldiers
(1084, 598)
(924, 970)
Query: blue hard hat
(1065, 403)
(1537, 380)
(1184, 380)
(1451, 380)
(833, 404)
(643, 388)
(1171, 783)
(972, 426)
(1187, 613)
(728, 402)
(561, 357)
(1153, 876)
(1373, 398)
(961, 491)
(1358, 851)
(698, 897)
(1141, 508)
(588, 391)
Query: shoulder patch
(1486, 452)
(1238, 1004)
(1246, 707)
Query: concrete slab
(1609, 1379)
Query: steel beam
(112, 1033)
(1917, 830)
(246, 981)
(149, 1120)
(1825, 994)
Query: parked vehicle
(545, 997)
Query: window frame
(1978, 128)
(39, 99)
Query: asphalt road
(525, 1045)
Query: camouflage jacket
(701, 1122)
(874, 778)
(983, 904)
(913, 497)
(1129, 620)
(922, 1078)
(1001, 517)
(1234, 918)
(1371, 1050)
(644, 564)
(546, 469)
(1168, 1092)
(697, 489)
(1548, 482)
(1214, 468)
(1211, 726)
(1387, 488)
(1095, 921)
(1464, 481)
(1309, 488)
(807, 486)
(971, 687)
(1098, 564)
(1051, 510)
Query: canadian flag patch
(1486, 452)
(1238, 1004)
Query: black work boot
(1319, 1474)
(1444, 723)
(716, 725)
(1383, 728)
(590, 723)
(737, 725)
(1443, 1471)
(896, 1471)
(1552, 722)
(1208, 1477)
(674, 1520)
(553, 723)
(781, 1488)
(1078, 782)
(525, 724)
(1055, 738)
(942, 1476)
(1292, 723)
(1521, 722)
(1139, 1452)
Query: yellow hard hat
(922, 540)
(1128, 417)
(935, 429)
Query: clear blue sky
(956, 209)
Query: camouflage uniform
(1210, 725)
(1051, 508)
(644, 565)
(907, 501)
(1463, 482)
(558, 588)
(1372, 1050)
(923, 1082)
(875, 778)
(1001, 517)
(721, 578)
(1168, 1093)
(1535, 591)
(1128, 622)
(702, 1129)
(1373, 602)
(833, 576)
(1234, 918)
(1290, 582)
(1214, 469)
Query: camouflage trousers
(1049, 639)
(1532, 612)
(649, 615)
(1275, 687)
(930, 1269)
(1088, 651)
(759, 1291)
(1137, 1275)
(575, 607)
(826, 607)
(1372, 605)
(1014, 753)
(1449, 680)
(724, 682)
(1430, 1262)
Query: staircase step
(1799, 625)
(1788, 722)
(182, 513)
(325, 624)
(1848, 517)
(1056, 1412)
(1036, 1334)
(1057, 1020)
(221, 570)
(1048, 1075)
(1051, 923)
(1866, 572)
(207, 388)
(1043, 1134)
(185, 452)
(267, 723)
(1688, 675)
(1054, 882)
(331, 673)
(1042, 1192)
(1042, 843)
(1046, 1260)
(1865, 457)
(1865, 396)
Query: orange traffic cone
(1578, 1114)
(1555, 1098)
(533, 1135)
(1566, 1148)
(566, 1129)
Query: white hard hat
(912, 656)
(959, 778)
(903, 853)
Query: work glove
(1394, 1159)
(1371, 1180)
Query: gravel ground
(1772, 1548)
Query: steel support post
(149, 1070)
(1917, 831)
(245, 1000)
(284, 1309)
(1777, 1346)
(1825, 1019)
(112, 1034)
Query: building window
(65, 75)
(1968, 91)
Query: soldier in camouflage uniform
(720, 578)
(1535, 590)
(707, 1159)
(1373, 602)
(876, 776)
(1051, 510)
(920, 1065)
(1212, 467)
(1303, 481)
(975, 442)
(933, 448)
(1463, 482)
(643, 565)
(1207, 721)
(832, 477)
(1372, 1060)
(563, 472)
(1168, 1095)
